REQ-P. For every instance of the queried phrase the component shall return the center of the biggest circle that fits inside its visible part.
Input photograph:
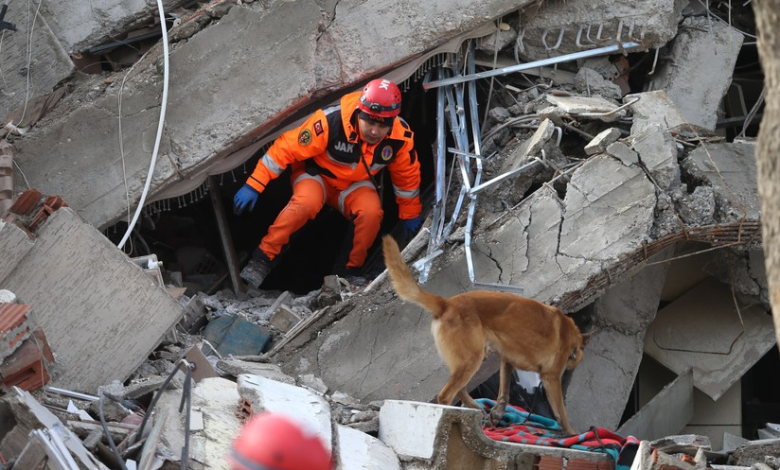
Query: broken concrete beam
(443, 434)
(93, 293)
(665, 414)
(698, 74)
(561, 27)
(602, 140)
(730, 169)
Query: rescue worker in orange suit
(335, 156)
(272, 441)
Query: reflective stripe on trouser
(307, 200)
(359, 203)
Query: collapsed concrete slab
(33, 60)
(223, 96)
(699, 73)
(99, 21)
(653, 108)
(93, 302)
(730, 170)
(704, 330)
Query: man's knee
(303, 208)
(368, 215)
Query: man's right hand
(246, 197)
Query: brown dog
(526, 334)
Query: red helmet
(381, 98)
(271, 441)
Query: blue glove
(246, 197)
(411, 226)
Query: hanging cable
(160, 124)
(109, 437)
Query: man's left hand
(411, 226)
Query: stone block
(602, 140)
(284, 319)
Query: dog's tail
(403, 282)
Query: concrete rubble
(607, 184)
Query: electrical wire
(160, 125)
(109, 437)
(186, 397)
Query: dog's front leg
(505, 377)
(552, 387)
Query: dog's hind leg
(503, 393)
(552, 387)
(467, 400)
(456, 385)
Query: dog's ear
(586, 337)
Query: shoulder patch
(404, 124)
(304, 138)
(318, 128)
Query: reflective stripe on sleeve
(271, 164)
(407, 194)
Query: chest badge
(387, 153)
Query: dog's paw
(493, 418)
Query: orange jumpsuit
(325, 153)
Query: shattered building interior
(596, 157)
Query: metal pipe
(624, 47)
(68, 393)
(502, 177)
